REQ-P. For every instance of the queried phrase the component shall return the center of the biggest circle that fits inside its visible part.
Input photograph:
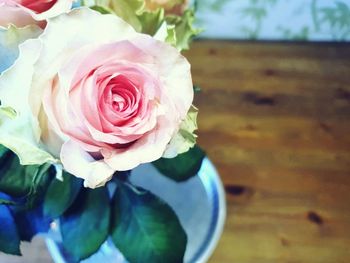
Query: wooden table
(275, 119)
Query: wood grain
(274, 118)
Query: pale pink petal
(78, 162)
(174, 71)
(60, 42)
(14, 15)
(147, 149)
(21, 134)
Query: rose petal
(60, 42)
(174, 70)
(78, 162)
(14, 15)
(21, 133)
(147, 149)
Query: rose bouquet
(88, 94)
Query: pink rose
(26, 12)
(175, 7)
(103, 97)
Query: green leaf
(101, 9)
(184, 28)
(85, 225)
(126, 9)
(144, 228)
(166, 33)
(185, 137)
(151, 21)
(9, 237)
(15, 180)
(29, 181)
(171, 35)
(61, 194)
(30, 222)
(183, 166)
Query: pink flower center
(121, 100)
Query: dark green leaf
(183, 166)
(13, 177)
(61, 194)
(30, 222)
(9, 237)
(144, 228)
(3, 149)
(85, 225)
(29, 181)
(42, 176)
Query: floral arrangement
(90, 90)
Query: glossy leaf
(9, 237)
(85, 225)
(30, 222)
(29, 219)
(29, 181)
(183, 166)
(144, 228)
(61, 194)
